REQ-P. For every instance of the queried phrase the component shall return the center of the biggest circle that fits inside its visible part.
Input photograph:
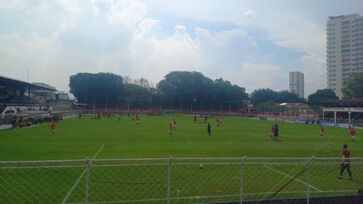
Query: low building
(297, 107)
(343, 111)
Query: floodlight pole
(118, 100)
(151, 102)
(106, 104)
(94, 105)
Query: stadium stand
(24, 104)
(343, 111)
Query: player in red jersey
(272, 131)
(137, 120)
(174, 123)
(53, 126)
(352, 133)
(322, 131)
(170, 129)
(346, 162)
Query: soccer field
(81, 138)
(183, 181)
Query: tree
(263, 95)
(100, 88)
(353, 88)
(321, 94)
(143, 83)
(192, 89)
(136, 96)
(288, 97)
(225, 94)
(270, 106)
(185, 89)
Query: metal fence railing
(177, 180)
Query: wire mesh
(176, 180)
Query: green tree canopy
(270, 106)
(353, 88)
(186, 89)
(87, 87)
(321, 94)
(265, 95)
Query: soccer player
(170, 129)
(209, 129)
(53, 126)
(195, 118)
(174, 123)
(352, 133)
(322, 131)
(137, 120)
(346, 162)
(276, 133)
(217, 120)
(272, 131)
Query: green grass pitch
(237, 137)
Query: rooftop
(7, 81)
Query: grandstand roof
(45, 86)
(354, 100)
(6, 81)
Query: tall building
(344, 49)
(296, 83)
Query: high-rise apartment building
(344, 50)
(296, 83)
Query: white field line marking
(81, 176)
(289, 176)
(98, 152)
(234, 141)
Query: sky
(252, 43)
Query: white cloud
(149, 26)
(153, 56)
(303, 35)
(20, 52)
(70, 6)
(13, 4)
(126, 12)
(255, 75)
(152, 47)
(250, 14)
(315, 73)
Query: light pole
(118, 100)
(106, 105)
(151, 102)
(94, 105)
(191, 105)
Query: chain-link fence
(180, 180)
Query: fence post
(88, 169)
(241, 180)
(308, 180)
(169, 181)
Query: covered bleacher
(18, 99)
(13, 91)
(342, 112)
